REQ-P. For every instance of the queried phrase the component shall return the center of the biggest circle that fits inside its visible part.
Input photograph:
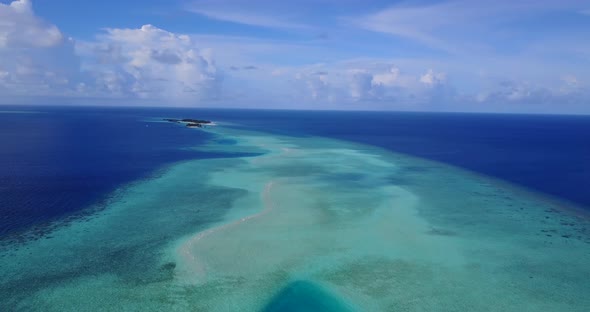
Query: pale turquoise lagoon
(311, 224)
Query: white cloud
(246, 12)
(20, 28)
(245, 18)
(318, 86)
(361, 86)
(373, 85)
(411, 22)
(35, 57)
(151, 63)
(390, 84)
(570, 84)
(513, 96)
(459, 26)
(431, 78)
(368, 85)
(389, 78)
(146, 63)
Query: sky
(451, 55)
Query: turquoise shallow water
(312, 223)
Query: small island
(191, 123)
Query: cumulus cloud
(389, 78)
(360, 84)
(318, 87)
(35, 57)
(389, 84)
(310, 84)
(509, 95)
(19, 27)
(430, 78)
(152, 63)
(370, 85)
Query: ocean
(546, 153)
(73, 158)
(277, 210)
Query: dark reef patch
(303, 296)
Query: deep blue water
(64, 159)
(549, 154)
(303, 296)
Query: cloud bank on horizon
(453, 55)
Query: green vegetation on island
(191, 123)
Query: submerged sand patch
(373, 230)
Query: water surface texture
(281, 220)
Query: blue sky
(481, 56)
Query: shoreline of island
(191, 123)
